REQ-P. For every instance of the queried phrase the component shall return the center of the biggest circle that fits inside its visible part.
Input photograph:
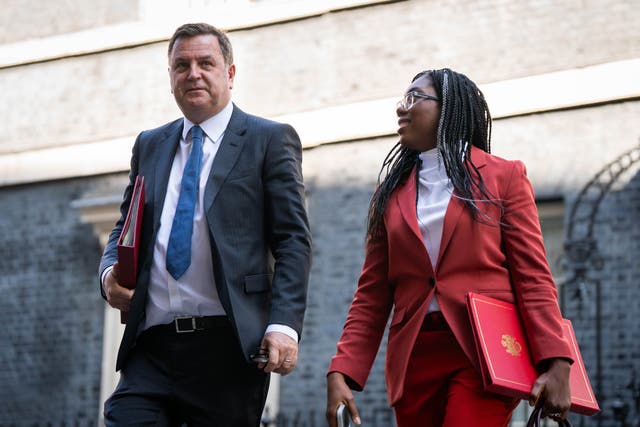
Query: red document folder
(505, 359)
(129, 241)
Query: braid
(396, 166)
(464, 121)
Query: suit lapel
(451, 217)
(227, 155)
(407, 203)
(456, 207)
(161, 151)
(407, 196)
(163, 160)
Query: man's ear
(231, 73)
(170, 83)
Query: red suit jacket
(504, 261)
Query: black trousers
(198, 378)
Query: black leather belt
(185, 324)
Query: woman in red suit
(448, 218)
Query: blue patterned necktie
(179, 246)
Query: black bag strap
(535, 420)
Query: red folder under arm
(129, 241)
(505, 358)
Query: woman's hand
(553, 388)
(339, 392)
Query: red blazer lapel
(451, 217)
(406, 199)
(407, 196)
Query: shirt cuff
(104, 274)
(275, 327)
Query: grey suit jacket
(259, 232)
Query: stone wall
(24, 20)
(337, 58)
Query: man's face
(200, 80)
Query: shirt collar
(432, 167)
(431, 158)
(214, 126)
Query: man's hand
(339, 392)
(283, 353)
(117, 296)
(553, 388)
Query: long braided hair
(464, 121)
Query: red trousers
(442, 388)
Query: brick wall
(51, 310)
(614, 341)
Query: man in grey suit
(224, 256)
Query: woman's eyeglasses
(410, 99)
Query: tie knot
(196, 132)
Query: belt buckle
(180, 329)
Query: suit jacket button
(432, 281)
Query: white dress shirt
(195, 292)
(434, 194)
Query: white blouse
(434, 194)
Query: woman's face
(418, 123)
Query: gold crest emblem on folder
(511, 345)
